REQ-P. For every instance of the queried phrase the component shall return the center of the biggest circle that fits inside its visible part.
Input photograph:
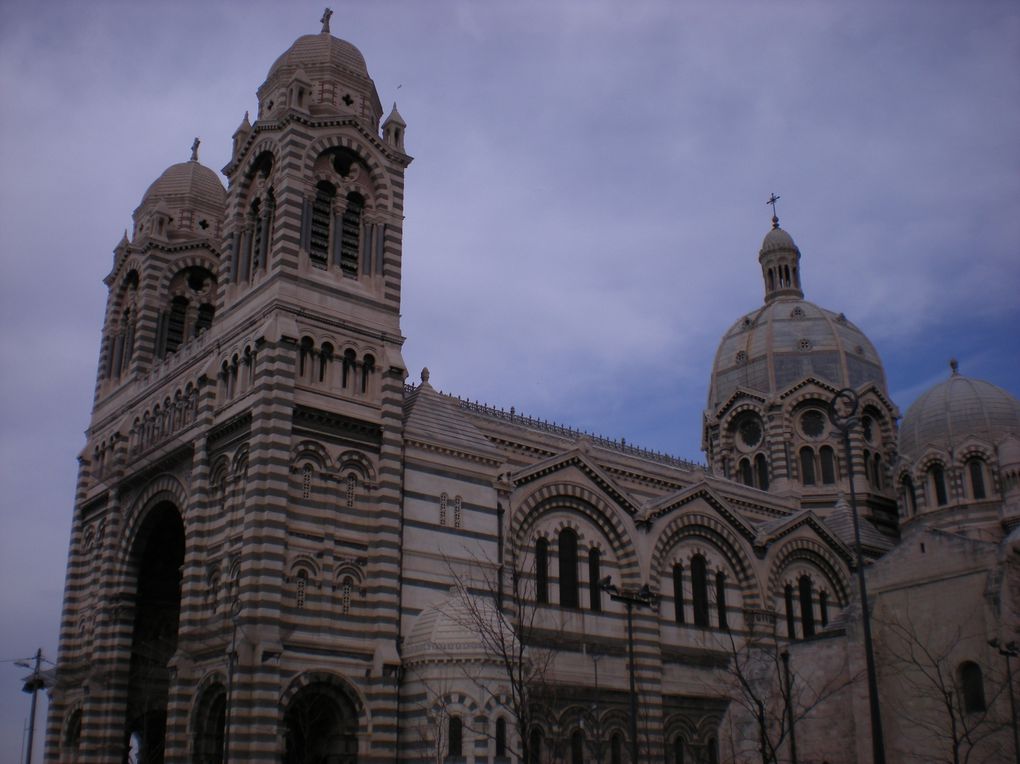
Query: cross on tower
(773, 198)
(325, 20)
(194, 150)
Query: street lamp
(843, 415)
(1007, 651)
(641, 598)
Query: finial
(955, 366)
(773, 198)
(425, 374)
(325, 20)
(194, 150)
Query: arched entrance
(209, 724)
(321, 726)
(157, 557)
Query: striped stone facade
(281, 551)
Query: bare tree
(498, 603)
(772, 692)
(958, 724)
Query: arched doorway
(209, 725)
(321, 726)
(157, 557)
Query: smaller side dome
(449, 630)
(187, 201)
(957, 409)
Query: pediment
(699, 491)
(577, 462)
(805, 520)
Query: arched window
(616, 748)
(823, 608)
(301, 583)
(594, 576)
(352, 489)
(972, 687)
(349, 362)
(807, 615)
(746, 474)
(367, 366)
(828, 459)
(350, 235)
(877, 472)
(542, 571)
(577, 747)
(203, 321)
(678, 593)
(72, 733)
(501, 736)
(807, 466)
(679, 746)
(909, 497)
(305, 352)
(867, 467)
(345, 595)
(720, 598)
(325, 356)
(761, 472)
(568, 568)
(791, 631)
(306, 481)
(938, 481)
(976, 468)
(456, 746)
(535, 746)
(699, 585)
(322, 213)
(175, 324)
(713, 750)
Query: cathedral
(285, 547)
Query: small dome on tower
(331, 78)
(957, 409)
(191, 197)
(777, 239)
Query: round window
(748, 431)
(812, 423)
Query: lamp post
(843, 415)
(1007, 651)
(33, 683)
(640, 598)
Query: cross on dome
(773, 198)
(325, 20)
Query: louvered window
(322, 212)
(350, 236)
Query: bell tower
(236, 538)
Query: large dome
(787, 340)
(954, 410)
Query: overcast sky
(583, 214)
